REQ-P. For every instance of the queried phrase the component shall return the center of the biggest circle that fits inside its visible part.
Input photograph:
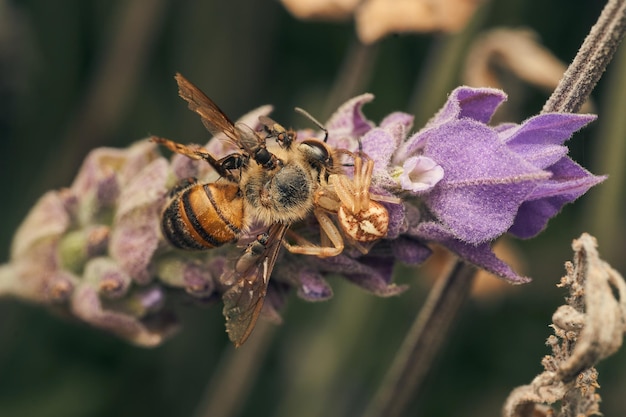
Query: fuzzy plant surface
(95, 251)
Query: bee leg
(197, 153)
(193, 152)
(329, 233)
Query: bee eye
(263, 156)
(316, 152)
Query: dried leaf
(588, 328)
(515, 51)
(321, 9)
(378, 18)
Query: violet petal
(478, 197)
(349, 120)
(480, 255)
(477, 104)
(539, 139)
(136, 229)
(312, 286)
(410, 251)
(87, 306)
(569, 181)
(375, 277)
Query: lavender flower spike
(512, 178)
(475, 182)
(95, 250)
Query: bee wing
(251, 275)
(267, 123)
(213, 118)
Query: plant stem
(230, 384)
(423, 341)
(354, 74)
(591, 60)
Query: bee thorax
(284, 196)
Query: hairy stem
(591, 60)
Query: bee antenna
(314, 120)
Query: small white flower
(419, 174)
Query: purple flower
(95, 249)
(89, 250)
(474, 182)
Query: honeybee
(272, 188)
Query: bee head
(318, 154)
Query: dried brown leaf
(378, 18)
(321, 9)
(587, 329)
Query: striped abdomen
(204, 216)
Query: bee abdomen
(204, 216)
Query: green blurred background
(77, 74)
